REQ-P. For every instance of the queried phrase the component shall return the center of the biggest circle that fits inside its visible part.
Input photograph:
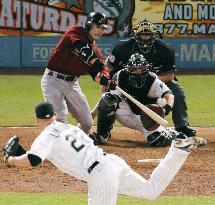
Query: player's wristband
(96, 68)
(103, 77)
(167, 108)
(103, 80)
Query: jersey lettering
(55, 133)
(75, 145)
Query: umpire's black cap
(44, 110)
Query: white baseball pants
(112, 176)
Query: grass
(200, 95)
(81, 199)
(20, 93)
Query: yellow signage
(178, 18)
(173, 18)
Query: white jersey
(64, 141)
(158, 88)
(73, 152)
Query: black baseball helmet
(145, 34)
(137, 61)
(96, 18)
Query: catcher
(106, 175)
(143, 85)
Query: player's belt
(61, 76)
(94, 164)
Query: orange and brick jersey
(64, 60)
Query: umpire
(144, 41)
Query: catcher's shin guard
(106, 115)
(104, 126)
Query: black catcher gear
(137, 68)
(96, 18)
(108, 105)
(137, 61)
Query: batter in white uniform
(107, 175)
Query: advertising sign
(37, 25)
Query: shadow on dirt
(127, 143)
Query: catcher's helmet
(96, 18)
(137, 61)
(145, 34)
(137, 68)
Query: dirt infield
(195, 178)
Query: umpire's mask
(138, 69)
(145, 34)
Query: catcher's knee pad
(161, 138)
(109, 103)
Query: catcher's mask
(137, 68)
(96, 18)
(145, 34)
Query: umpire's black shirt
(162, 56)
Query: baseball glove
(147, 121)
(12, 148)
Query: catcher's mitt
(12, 148)
(147, 121)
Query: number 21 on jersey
(77, 140)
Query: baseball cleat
(95, 138)
(201, 141)
(105, 139)
(188, 144)
(187, 130)
(99, 139)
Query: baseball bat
(146, 110)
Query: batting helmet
(145, 34)
(96, 18)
